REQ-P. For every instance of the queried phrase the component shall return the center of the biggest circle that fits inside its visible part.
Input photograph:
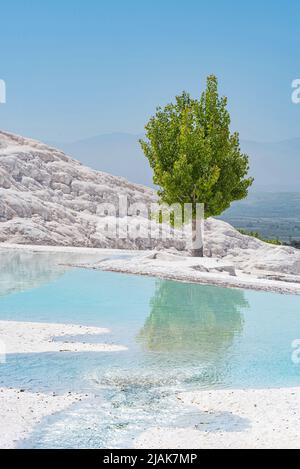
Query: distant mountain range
(275, 166)
(117, 153)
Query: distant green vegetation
(273, 215)
(255, 234)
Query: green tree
(194, 156)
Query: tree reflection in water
(193, 318)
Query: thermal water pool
(179, 337)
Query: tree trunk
(197, 252)
(197, 238)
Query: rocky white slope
(250, 254)
(48, 198)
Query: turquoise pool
(179, 337)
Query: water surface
(179, 337)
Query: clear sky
(77, 68)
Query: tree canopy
(194, 156)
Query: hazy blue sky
(80, 68)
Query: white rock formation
(21, 411)
(47, 198)
(231, 419)
(29, 337)
(247, 253)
